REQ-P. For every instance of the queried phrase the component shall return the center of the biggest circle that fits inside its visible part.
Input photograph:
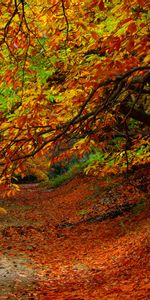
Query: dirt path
(103, 260)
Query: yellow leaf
(3, 211)
(16, 187)
(147, 59)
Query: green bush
(60, 179)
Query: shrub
(60, 179)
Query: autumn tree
(74, 77)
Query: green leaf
(51, 98)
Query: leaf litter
(105, 259)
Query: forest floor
(88, 239)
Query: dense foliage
(74, 78)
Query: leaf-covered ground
(55, 245)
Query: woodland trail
(107, 260)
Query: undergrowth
(74, 170)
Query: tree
(75, 75)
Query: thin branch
(66, 19)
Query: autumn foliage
(74, 77)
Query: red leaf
(101, 5)
(132, 28)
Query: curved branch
(136, 114)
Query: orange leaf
(130, 45)
(95, 36)
(141, 2)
